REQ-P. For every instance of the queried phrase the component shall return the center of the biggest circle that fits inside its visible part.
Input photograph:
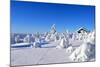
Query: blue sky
(30, 17)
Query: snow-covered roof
(82, 28)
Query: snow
(53, 47)
(20, 44)
(86, 51)
(70, 49)
(33, 56)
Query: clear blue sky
(38, 17)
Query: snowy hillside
(53, 47)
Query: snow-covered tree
(17, 39)
(86, 51)
(64, 42)
(53, 29)
(27, 39)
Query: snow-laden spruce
(52, 35)
(64, 42)
(86, 51)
